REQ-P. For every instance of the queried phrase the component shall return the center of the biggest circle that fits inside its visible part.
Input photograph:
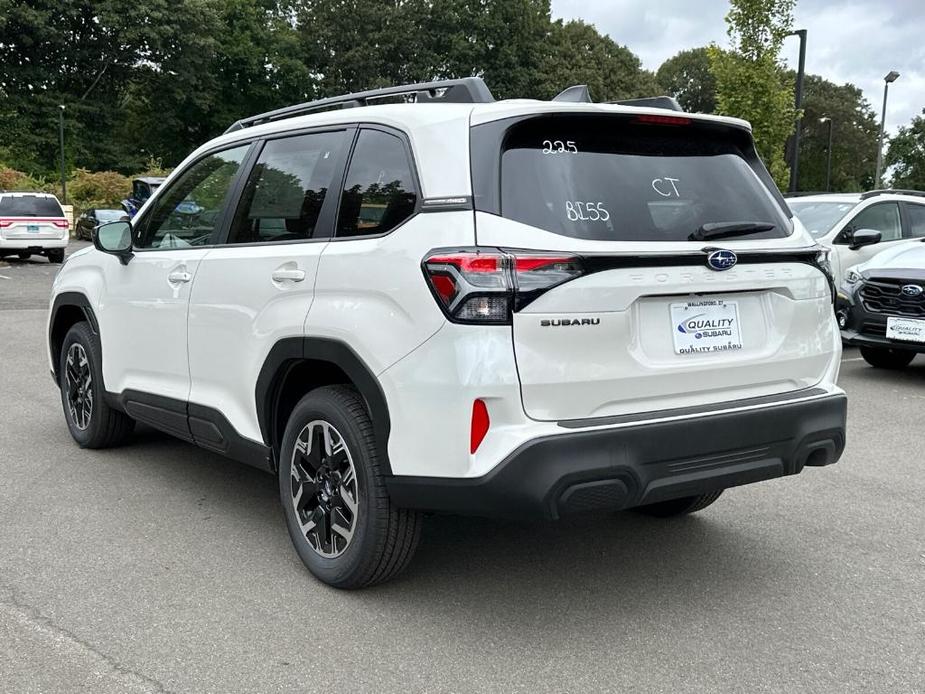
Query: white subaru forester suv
(519, 308)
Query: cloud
(847, 41)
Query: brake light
(61, 223)
(661, 120)
(480, 423)
(6, 223)
(488, 285)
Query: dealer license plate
(706, 326)
(906, 329)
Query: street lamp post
(828, 163)
(798, 103)
(891, 76)
(61, 144)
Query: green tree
(749, 77)
(575, 53)
(854, 136)
(906, 154)
(687, 77)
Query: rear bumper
(619, 468)
(32, 244)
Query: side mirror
(863, 237)
(115, 238)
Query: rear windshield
(819, 217)
(29, 206)
(608, 179)
(109, 215)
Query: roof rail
(468, 90)
(666, 102)
(892, 191)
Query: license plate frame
(905, 329)
(705, 326)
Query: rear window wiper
(719, 230)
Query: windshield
(605, 179)
(109, 215)
(819, 217)
(29, 206)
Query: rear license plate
(32, 228)
(706, 326)
(906, 329)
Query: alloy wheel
(78, 384)
(325, 489)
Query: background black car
(90, 219)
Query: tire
(56, 255)
(345, 487)
(92, 423)
(679, 507)
(885, 358)
(24, 256)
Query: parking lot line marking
(853, 359)
(4, 277)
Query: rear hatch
(675, 276)
(31, 217)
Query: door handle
(179, 277)
(288, 275)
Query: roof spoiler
(579, 94)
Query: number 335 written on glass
(559, 147)
(586, 211)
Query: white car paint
(843, 257)
(204, 340)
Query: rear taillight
(488, 285)
(60, 223)
(6, 223)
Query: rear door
(257, 285)
(658, 319)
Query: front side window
(608, 178)
(916, 214)
(882, 217)
(286, 190)
(190, 210)
(379, 192)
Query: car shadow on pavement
(487, 569)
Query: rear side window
(284, 194)
(379, 192)
(608, 179)
(29, 206)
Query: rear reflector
(480, 424)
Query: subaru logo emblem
(912, 290)
(721, 260)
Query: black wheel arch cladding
(288, 353)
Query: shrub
(88, 190)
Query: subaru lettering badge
(912, 290)
(721, 260)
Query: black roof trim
(468, 90)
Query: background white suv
(514, 308)
(32, 224)
(834, 218)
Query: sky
(847, 40)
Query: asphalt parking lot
(160, 567)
